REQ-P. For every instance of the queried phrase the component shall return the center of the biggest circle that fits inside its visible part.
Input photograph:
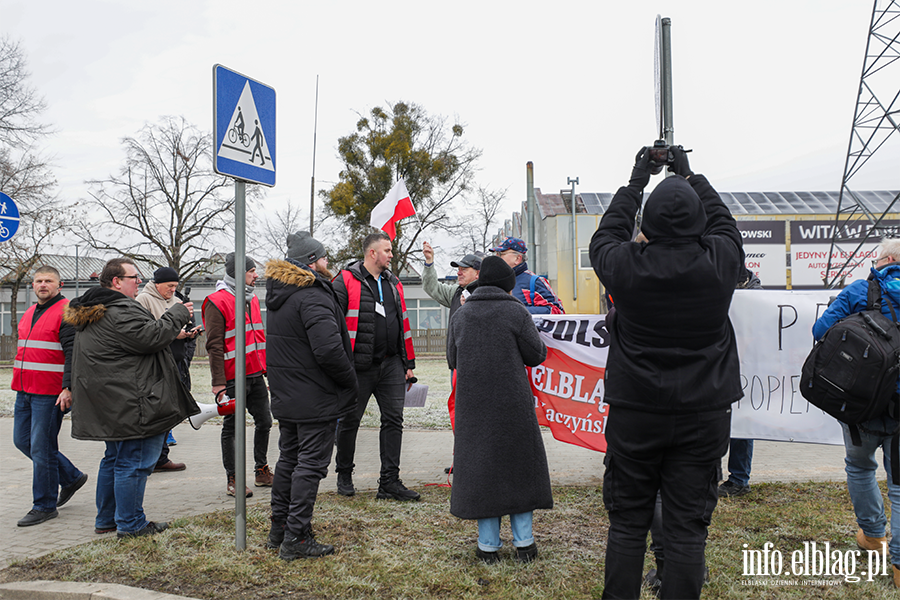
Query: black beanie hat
(304, 248)
(165, 275)
(494, 271)
(229, 264)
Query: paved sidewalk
(201, 488)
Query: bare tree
(479, 223)
(166, 205)
(25, 175)
(43, 220)
(271, 231)
(20, 105)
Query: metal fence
(425, 341)
(429, 341)
(7, 347)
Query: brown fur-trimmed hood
(284, 278)
(289, 273)
(90, 307)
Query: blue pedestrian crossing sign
(9, 217)
(244, 127)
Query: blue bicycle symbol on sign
(9, 217)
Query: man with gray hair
(861, 462)
(157, 297)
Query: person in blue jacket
(861, 464)
(531, 290)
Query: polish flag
(395, 207)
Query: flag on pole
(395, 207)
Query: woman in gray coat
(500, 467)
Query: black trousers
(387, 382)
(258, 407)
(679, 456)
(304, 455)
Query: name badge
(379, 308)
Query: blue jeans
(489, 532)
(861, 466)
(36, 433)
(740, 458)
(121, 482)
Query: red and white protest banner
(773, 329)
(568, 386)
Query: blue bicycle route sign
(9, 217)
(244, 127)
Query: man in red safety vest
(41, 377)
(219, 318)
(375, 309)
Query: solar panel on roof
(591, 203)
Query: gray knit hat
(229, 264)
(304, 248)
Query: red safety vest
(354, 293)
(40, 361)
(255, 340)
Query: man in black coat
(672, 371)
(313, 384)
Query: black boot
(276, 536)
(345, 484)
(303, 546)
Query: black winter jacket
(365, 332)
(672, 347)
(125, 385)
(308, 355)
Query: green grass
(418, 550)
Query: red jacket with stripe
(40, 360)
(358, 303)
(255, 334)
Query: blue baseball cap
(511, 243)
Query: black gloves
(680, 165)
(640, 174)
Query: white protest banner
(774, 335)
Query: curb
(71, 590)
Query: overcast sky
(764, 92)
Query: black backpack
(851, 373)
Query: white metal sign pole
(240, 364)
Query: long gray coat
(499, 464)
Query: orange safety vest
(255, 337)
(40, 361)
(354, 293)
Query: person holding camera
(672, 371)
(157, 297)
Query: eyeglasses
(135, 277)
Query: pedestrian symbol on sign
(236, 145)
